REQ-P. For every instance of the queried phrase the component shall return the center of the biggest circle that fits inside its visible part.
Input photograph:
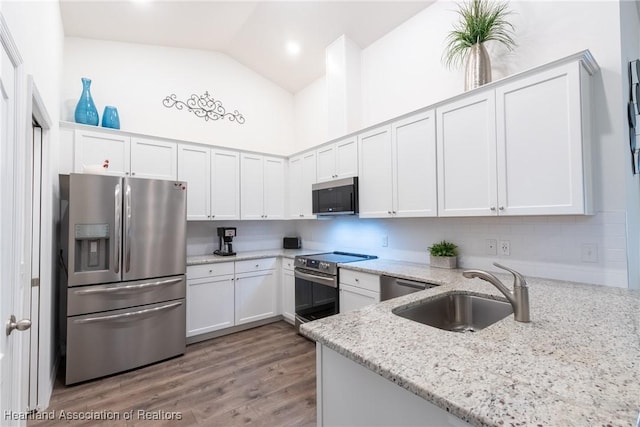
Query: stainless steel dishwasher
(393, 287)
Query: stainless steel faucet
(519, 298)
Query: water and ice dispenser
(91, 247)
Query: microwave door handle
(127, 228)
(118, 229)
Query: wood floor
(260, 377)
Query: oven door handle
(321, 280)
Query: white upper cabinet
(154, 159)
(262, 187)
(337, 160)
(93, 148)
(225, 184)
(541, 163)
(522, 148)
(139, 157)
(398, 169)
(213, 182)
(466, 150)
(302, 175)
(375, 183)
(194, 167)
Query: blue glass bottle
(86, 112)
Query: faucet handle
(518, 279)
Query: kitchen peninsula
(576, 363)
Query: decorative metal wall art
(633, 109)
(203, 106)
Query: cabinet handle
(493, 208)
(501, 208)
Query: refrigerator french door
(123, 250)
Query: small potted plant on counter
(443, 255)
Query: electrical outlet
(589, 252)
(491, 247)
(385, 241)
(505, 247)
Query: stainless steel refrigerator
(123, 262)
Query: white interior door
(13, 373)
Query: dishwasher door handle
(414, 285)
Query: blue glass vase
(110, 118)
(86, 112)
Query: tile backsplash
(589, 249)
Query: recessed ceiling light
(293, 48)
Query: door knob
(21, 325)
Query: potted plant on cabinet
(480, 21)
(443, 255)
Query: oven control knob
(324, 265)
(303, 261)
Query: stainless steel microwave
(337, 197)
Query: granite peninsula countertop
(576, 364)
(241, 256)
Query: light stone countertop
(576, 364)
(241, 256)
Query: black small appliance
(225, 236)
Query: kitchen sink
(457, 312)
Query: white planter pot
(443, 261)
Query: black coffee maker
(225, 235)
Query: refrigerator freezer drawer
(106, 343)
(97, 298)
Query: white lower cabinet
(358, 290)
(288, 291)
(210, 298)
(256, 290)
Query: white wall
(310, 120)
(136, 78)
(403, 71)
(45, 65)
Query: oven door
(316, 295)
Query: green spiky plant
(480, 21)
(443, 248)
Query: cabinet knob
(357, 280)
(126, 173)
(213, 216)
(389, 212)
(501, 208)
(394, 212)
(257, 265)
(133, 173)
(493, 208)
(210, 271)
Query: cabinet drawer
(287, 264)
(360, 280)
(209, 270)
(256, 264)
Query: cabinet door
(288, 295)
(194, 168)
(251, 187)
(347, 158)
(307, 181)
(225, 184)
(296, 172)
(375, 180)
(210, 304)
(274, 188)
(326, 163)
(93, 148)
(352, 298)
(540, 168)
(154, 159)
(256, 296)
(414, 166)
(466, 147)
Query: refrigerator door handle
(127, 316)
(118, 231)
(127, 229)
(116, 289)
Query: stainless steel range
(317, 293)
